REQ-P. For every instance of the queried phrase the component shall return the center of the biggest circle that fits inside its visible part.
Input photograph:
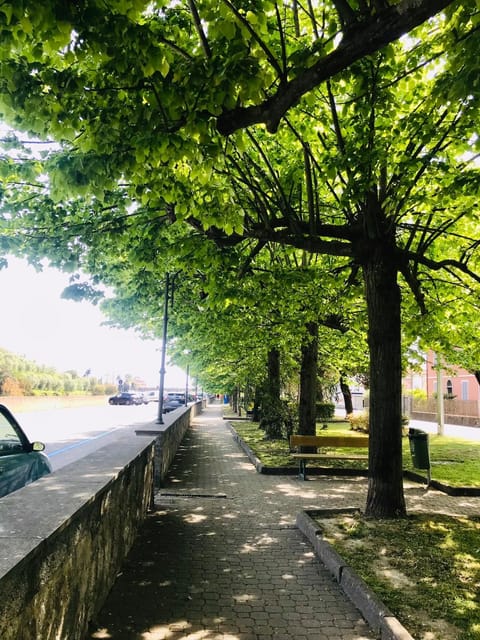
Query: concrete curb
(345, 472)
(257, 463)
(289, 471)
(378, 616)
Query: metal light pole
(164, 351)
(186, 386)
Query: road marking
(81, 443)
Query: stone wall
(64, 538)
(167, 440)
(465, 421)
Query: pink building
(458, 386)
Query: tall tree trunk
(347, 396)
(308, 381)
(236, 400)
(256, 405)
(272, 410)
(273, 365)
(385, 497)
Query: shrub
(10, 387)
(419, 394)
(359, 422)
(324, 410)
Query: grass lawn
(425, 568)
(454, 461)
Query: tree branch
(270, 57)
(449, 265)
(345, 12)
(198, 26)
(369, 36)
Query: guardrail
(64, 538)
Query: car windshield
(9, 439)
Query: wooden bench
(338, 442)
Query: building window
(464, 389)
(449, 388)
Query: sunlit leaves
(133, 97)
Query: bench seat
(322, 442)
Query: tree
(369, 168)
(402, 199)
(308, 381)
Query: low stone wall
(465, 421)
(167, 440)
(64, 538)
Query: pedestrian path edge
(375, 612)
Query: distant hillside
(19, 376)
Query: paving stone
(220, 557)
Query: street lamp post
(164, 351)
(186, 386)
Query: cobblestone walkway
(221, 558)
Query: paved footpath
(220, 557)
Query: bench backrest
(328, 441)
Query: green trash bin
(419, 449)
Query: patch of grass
(273, 453)
(426, 569)
(454, 462)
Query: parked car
(175, 395)
(142, 397)
(21, 461)
(151, 396)
(171, 405)
(126, 397)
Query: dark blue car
(21, 461)
(127, 397)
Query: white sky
(37, 323)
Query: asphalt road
(468, 433)
(72, 433)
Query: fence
(466, 412)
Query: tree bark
(273, 365)
(385, 497)
(308, 382)
(347, 396)
(256, 405)
(272, 414)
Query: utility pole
(440, 402)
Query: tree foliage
(158, 167)
(19, 376)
